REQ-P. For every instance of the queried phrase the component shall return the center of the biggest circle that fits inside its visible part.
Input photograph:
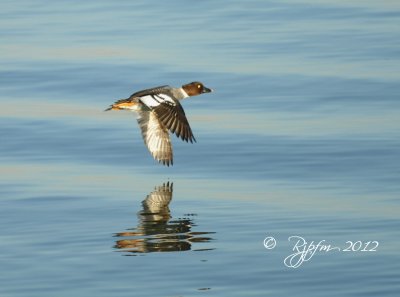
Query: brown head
(196, 88)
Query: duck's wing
(173, 117)
(133, 99)
(170, 113)
(153, 91)
(158, 200)
(155, 137)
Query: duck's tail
(121, 104)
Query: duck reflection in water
(157, 231)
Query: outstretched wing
(173, 117)
(158, 200)
(152, 91)
(170, 113)
(156, 137)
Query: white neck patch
(184, 94)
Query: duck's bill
(207, 90)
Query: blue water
(300, 138)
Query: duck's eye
(199, 86)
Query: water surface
(300, 138)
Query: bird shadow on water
(158, 231)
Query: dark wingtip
(191, 139)
(186, 138)
(166, 162)
(107, 109)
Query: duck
(159, 114)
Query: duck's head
(196, 88)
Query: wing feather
(173, 117)
(156, 137)
(152, 91)
(158, 200)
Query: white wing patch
(156, 137)
(155, 100)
